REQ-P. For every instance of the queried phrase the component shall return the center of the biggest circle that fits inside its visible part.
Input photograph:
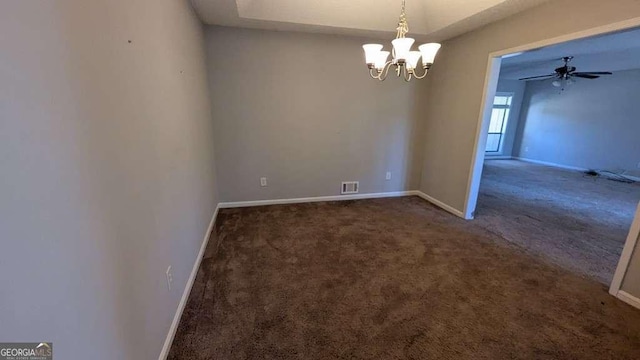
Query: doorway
(514, 174)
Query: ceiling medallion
(404, 60)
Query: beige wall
(106, 151)
(301, 110)
(456, 85)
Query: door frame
(482, 128)
(623, 264)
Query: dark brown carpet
(579, 222)
(389, 279)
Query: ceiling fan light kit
(402, 57)
(565, 75)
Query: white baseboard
(441, 205)
(634, 178)
(226, 205)
(498, 157)
(438, 203)
(568, 167)
(629, 299)
(187, 290)
(629, 177)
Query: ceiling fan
(564, 74)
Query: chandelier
(404, 60)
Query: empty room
(562, 170)
(280, 179)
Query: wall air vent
(350, 187)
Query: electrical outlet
(169, 277)
(388, 177)
(263, 181)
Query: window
(498, 124)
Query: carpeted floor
(389, 279)
(577, 221)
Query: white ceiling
(612, 52)
(428, 19)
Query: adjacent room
(562, 161)
(282, 179)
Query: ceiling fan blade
(585, 76)
(595, 73)
(538, 77)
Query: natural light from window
(498, 124)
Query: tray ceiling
(436, 19)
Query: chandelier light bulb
(371, 53)
(381, 60)
(556, 83)
(412, 60)
(402, 47)
(429, 52)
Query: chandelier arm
(401, 70)
(381, 74)
(377, 77)
(385, 71)
(415, 74)
(407, 75)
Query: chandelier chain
(403, 25)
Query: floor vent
(350, 187)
